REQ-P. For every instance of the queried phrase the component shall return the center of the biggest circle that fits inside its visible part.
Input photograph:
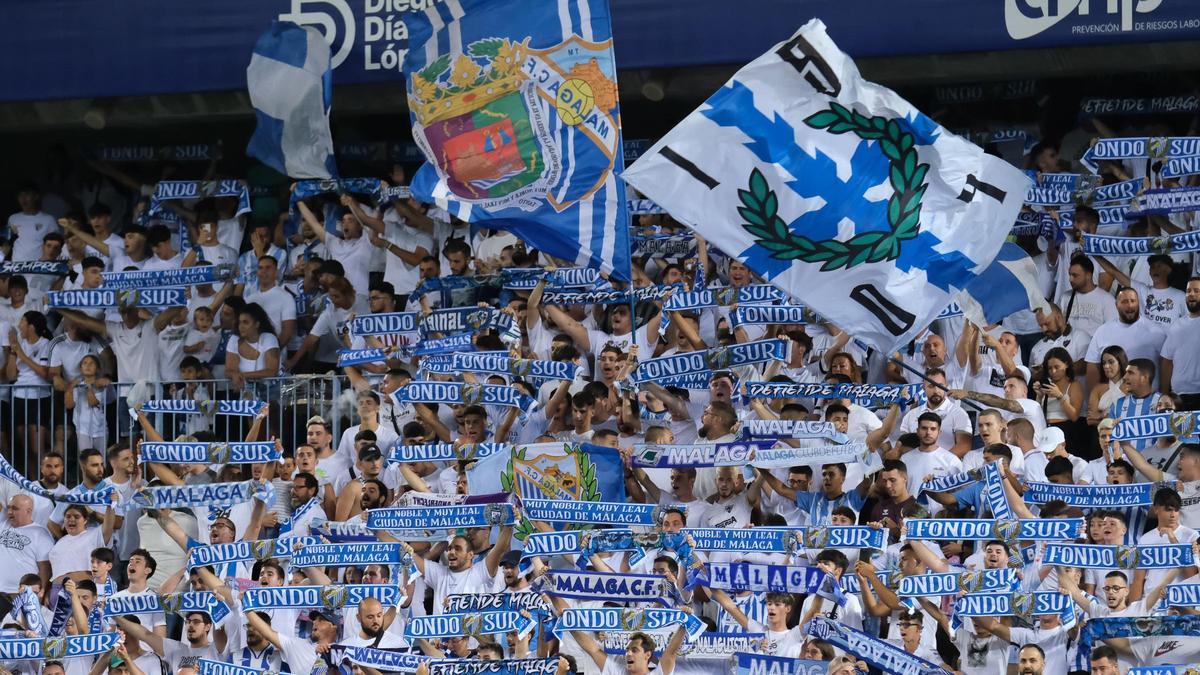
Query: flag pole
(939, 385)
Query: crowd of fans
(1039, 393)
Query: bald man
(373, 630)
(24, 545)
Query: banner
(246, 551)
(611, 587)
(1157, 148)
(1096, 244)
(627, 621)
(758, 315)
(763, 664)
(515, 108)
(798, 429)
(929, 585)
(193, 152)
(1092, 496)
(786, 539)
(581, 472)
(499, 363)
(440, 517)
(171, 190)
(383, 324)
(1165, 201)
(718, 358)
(444, 452)
(143, 298)
(209, 407)
(880, 393)
(181, 452)
(724, 297)
(469, 603)
(171, 603)
(1006, 530)
(219, 495)
(547, 666)
(1181, 424)
(465, 319)
(454, 625)
(885, 656)
(463, 393)
(1092, 556)
(1024, 605)
(56, 268)
(57, 648)
(100, 497)
(1158, 105)
(747, 168)
(640, 294)
(594, 513)
(341, 555)
(185, 276)
(320, 597)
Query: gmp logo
(327, 24)
(1027, 18)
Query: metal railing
(35, 419)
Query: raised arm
(990, 400)
(570, 326)
(666, 663)
(318, 228)
(96, 326)
(139, 632)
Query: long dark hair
(256, 312)
(38, 321)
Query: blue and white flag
(473, 625)
(1118, 247)
(583, 472)
(1094, 556)
(515, 107)
(1007, 286)
(440, 517)
(466, 394)
(182, 452)
(183, 276)
(290, 79)
(717, 358)
(835, 189)
(1092, 496)
(883, 655)
(320, 597)
(90, 298)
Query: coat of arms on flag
(515, 107)
(835, 189)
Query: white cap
(1024, 373)
(1051, 438)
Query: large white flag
(835, 189)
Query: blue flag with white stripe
(514, 105)
(835, 189)
(291, 88)
(1009, 285)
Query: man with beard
(1087, 306)
(372, 628)
(895, 499)
(1140, 399)
(460, 574)
(1058, 333)
(1140, 337)
(1045, 645)
(306, 505)
(195, 645)
(351, 490)
(955, 432)
(300, 654)
(1181, 353)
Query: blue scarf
(27, 610)
(171, 190)
(1180, 424)
(799, 429)
(760, 578)
(186, 276)
(1092, 556)
(1006, 530)
(464, 319)
(440, 517)
(210, 667)
(627, 620)
(445, 345)
(469, 603)
(929, 585)
(384, 324)
(121, 299)
(581, 543)
(385, 660)
(357, 357)
(1183, 595)
(1092, 496)
(664, 245)
(444, 452)
(311, 188)
(56, 268)
(245, 551)
(786, 539)
(818, 455)
(1178, 167)
(1062, 194)
(952, 482)
(348, 532)
(597, 513)
(220, 495)
(640, 207)
(994, 494)
(462, 393)
(1135, 627)
(547, 666)
(695, 456)
(757, 315)
(455, 625)
(724, 297)
(101, 497)
(881, 393)
(499, 363)
(1023, 605)
(342, 555)
(760, 664)
(1156, 148)
(320, 597)
(719, 358)
(642, 294)
(1096, 244)
(1165, 201)
(173, 603)
(289, 522)
(885, 656)
(609, 587)
(239, 408)
(179, 452)
(1158, 105)
(56, 648)
(526, 278)
(1109, 215)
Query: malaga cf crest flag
(835, 189)
(514, 103)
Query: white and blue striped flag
(514, 104)
(835, 189)
(291, 88)
(1009, 285)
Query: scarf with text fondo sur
(526, 278)
(1114, 246)
(609, 587)
(499, 363)
(457, 625)
(1181, 424)
(1023, 605)
(464, 393)
(1062, 194)
(1095, 556)
(210, 667)
(1006, 530)
(57, 648)
(184, 276)
(320, 597)
(142, 298)
(171, 190)
(708, 360)
(724, 297)
(952, 583)
(182, 452)
(1154, 148)
(444, 452)
(757, 315)
(209, 407)
(440, 517)
(171, 603)
(604, 619)
(220, 495)
(389, 323)
(1183, 595)
(883, 655)
(246, 551)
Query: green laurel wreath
(589, 486)
(907, 175)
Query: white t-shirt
(402, 276)
(136, 350)
(355, 257)
(23, 547)
(154, 263)
(177, 654)
(279, 305)
(1142, 339)
(266, 342)
(1163, 306)
(1076, 343)
(1182, 346)
(981, 655)
(1053, 643)
(66, 353)
(37, 387)
(171, 340)
(29, 230)
(1089, 311)
(954, 420)
(73, 552)
(474, 579)
(219, 254)
(938, 462)
(1183, 535)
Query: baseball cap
(1051, 438)
(322, 614)
(511, 559)
(370, 452)
(1025, 374)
